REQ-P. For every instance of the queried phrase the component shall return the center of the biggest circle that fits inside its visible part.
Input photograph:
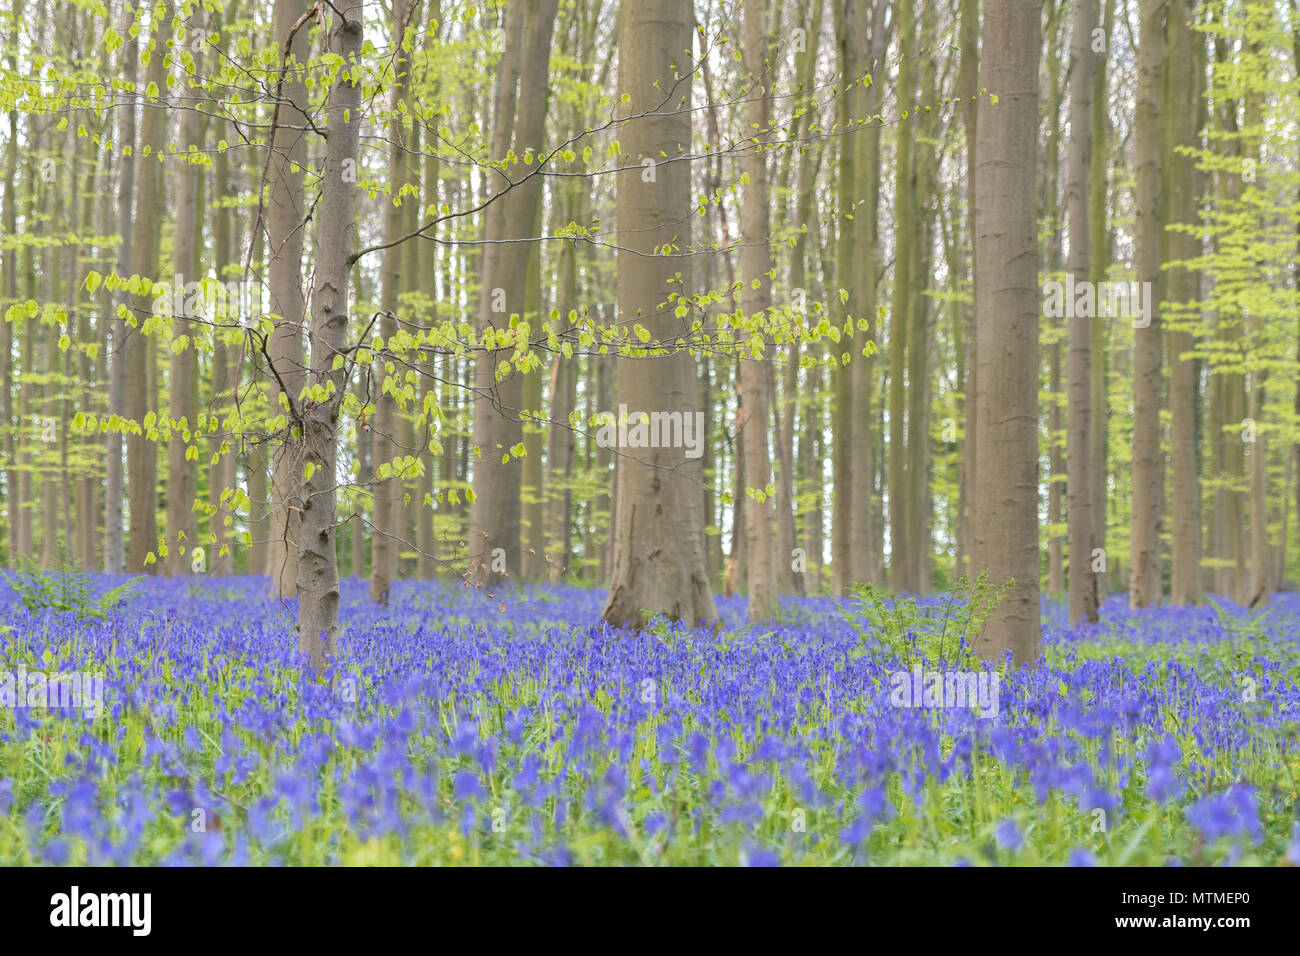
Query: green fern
(941, 635)
(67, 590)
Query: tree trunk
(1099, 251)
(755, 264)
(968, 89)
(9, 222)
(1050, 214)
(806, 484)
(1261, 578)
(318, 573)
(384, 426)
(1083, 65)
(1184, 294)
(182, 474)
(52, 266)
(1144, 559)
(658, 533)
(141, 452)
(532, 527)
(561, 439)
(917, 498)
(221, 472)
(869, 37)
(1005, 494)
(430, 487)
(905, 216)
(285, 231)
(495, 538)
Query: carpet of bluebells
(458, 728)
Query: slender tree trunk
(905, 216)
(868, 36)
(1083, 65)
(52, 430)
(737, 574)
(562, 438)
(221, 472)
(254, 457)
(318, 573)
(1005, 493)
(430, 489)
(285, 231)
(917, 498)
(968, 88)
(141, 451)
(755, 266)
(182, 473)
(388, 380)
(1230, 398)
(1099, 251)
(27, 355)
(489, 554)
(1050, 213)
(805, 187)
(1144, 560)
(1184, 294)
(1260, 576)
(366, 466)
(532, 528)
(812, 457)
(9, 222)
(495, 538)
(658, 534)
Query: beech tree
(658, 533)
(1007, 306)
(1148, 471)
(1083, 65)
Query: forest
(684, 432)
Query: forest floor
(463, 728)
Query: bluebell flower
(1008, 835)
(1082, 856)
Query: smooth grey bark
(1005, 494)
(182, 475)
(496, 513)
(1184, 291)
(141, 451)
(384, 425)
(846, 428)
(561, 443)
(1100, 252)
(285, 233)
(967, 88)
(658, 530)
(755, 264)
(1050, 214)
(905, 215)
(1083, 64)
(1148, 485)
(869, 37)
(221, 472)
(9, 221)
(318, 573)
(918, 505)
